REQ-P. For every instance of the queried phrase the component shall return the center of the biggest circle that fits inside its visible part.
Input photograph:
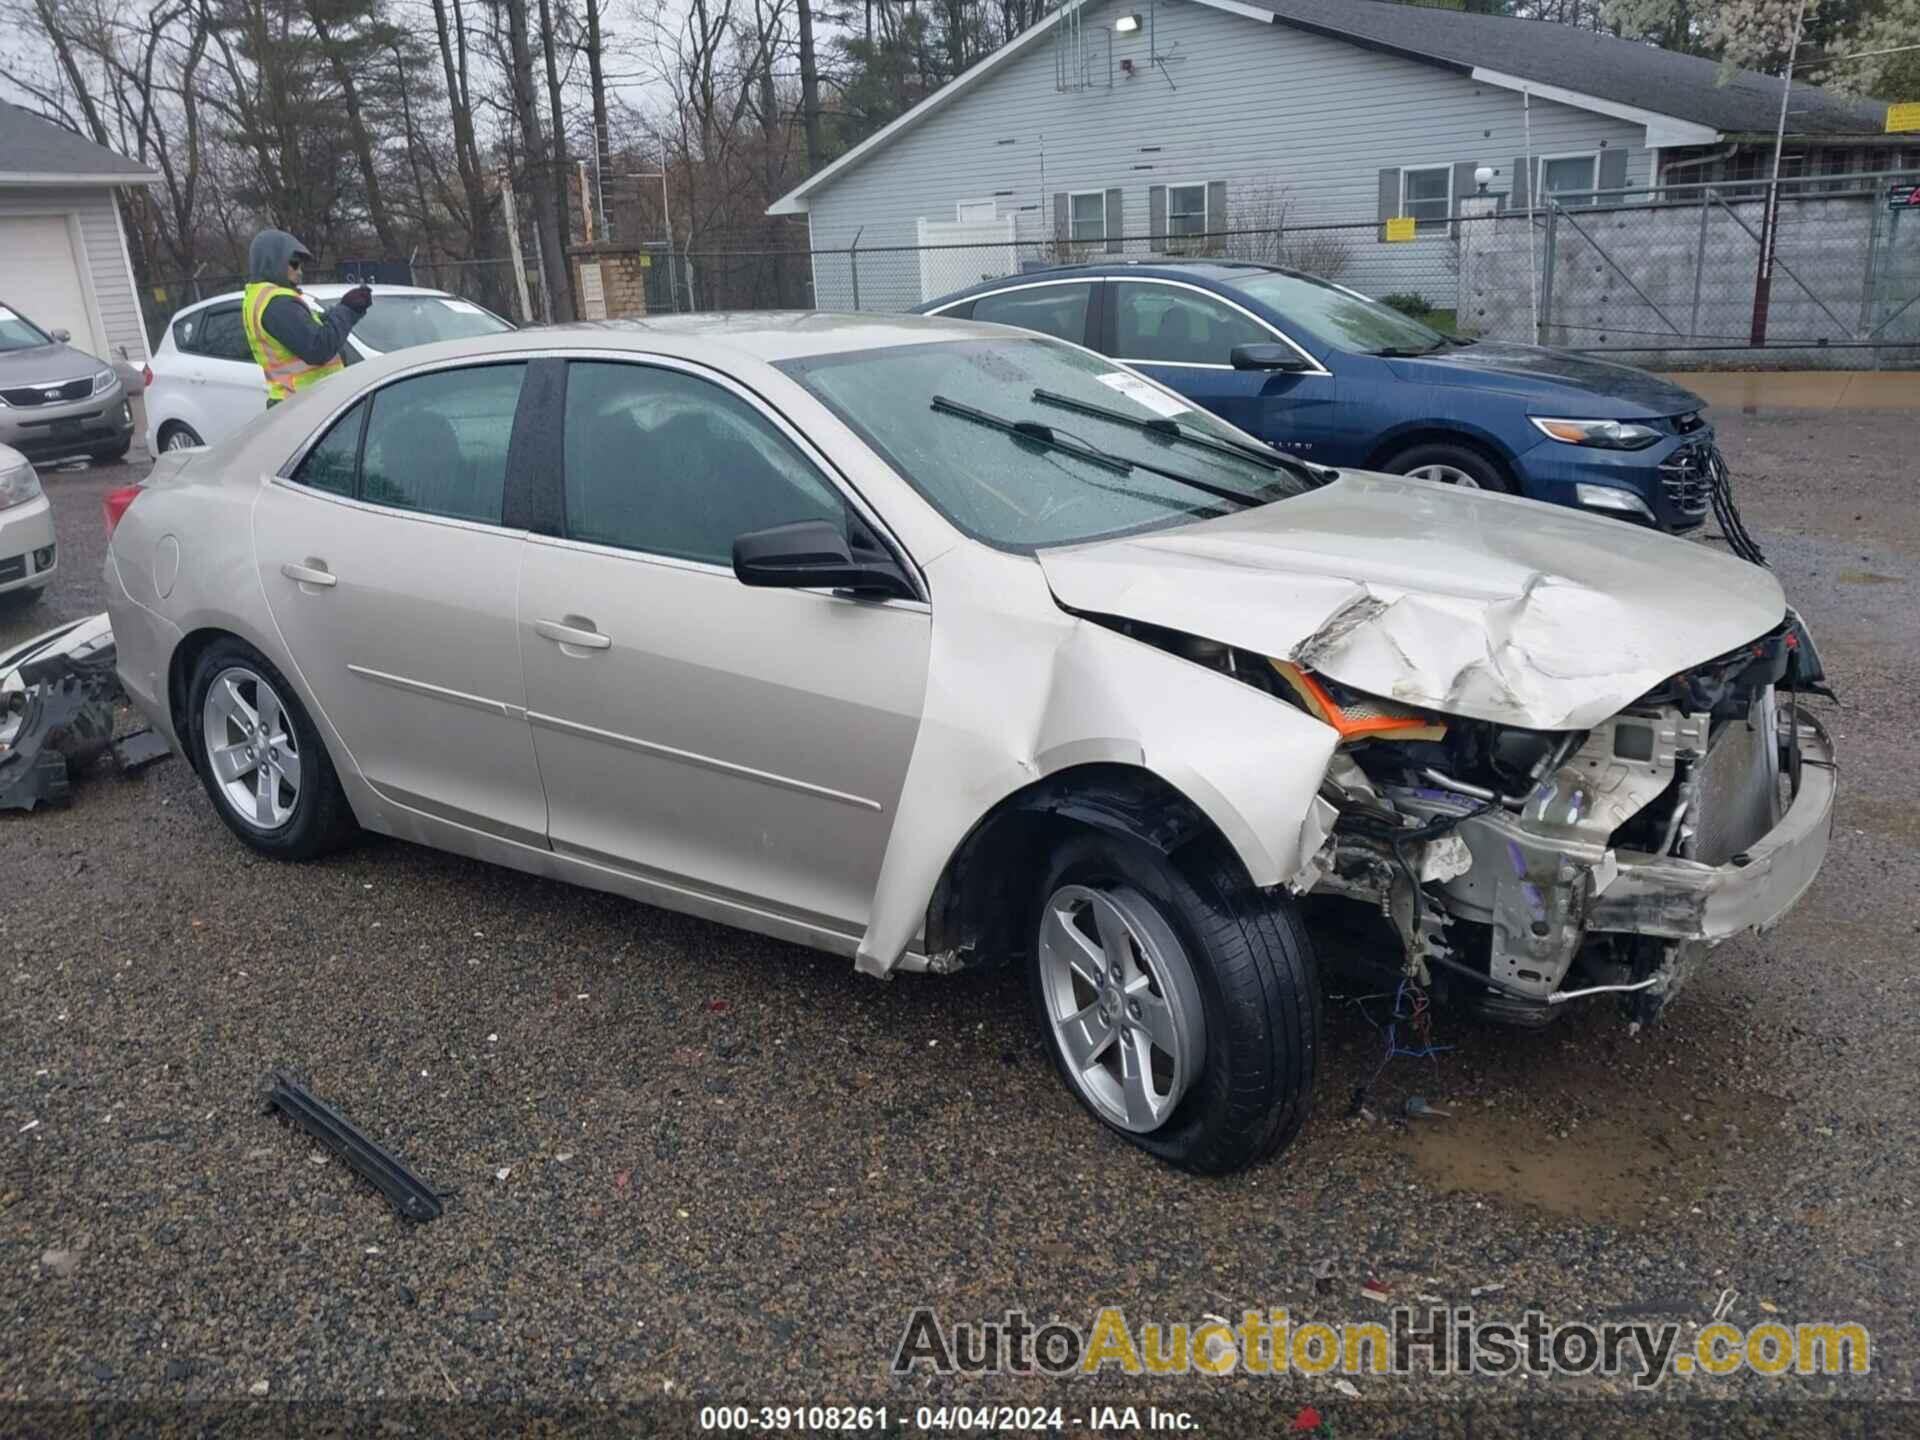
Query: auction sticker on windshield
(461, 307)
(1141, 393)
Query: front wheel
(1449, 464)
(261, 758)
(1180, 1004)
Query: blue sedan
(1328, 374)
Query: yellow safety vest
(286, 372)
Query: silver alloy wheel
(1446, 475)
(180, 439)
(252, 748)
(1123, 1002)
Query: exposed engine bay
(1528, 868)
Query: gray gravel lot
(694, 1165)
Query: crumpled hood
(1460, 601)
(1586, 388)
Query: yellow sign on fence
(1401, 227)
(1903, 117)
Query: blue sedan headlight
(1599, 434)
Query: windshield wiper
(1173, 430)
(1036, 433)
(1399, 352)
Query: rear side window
(437, 444)
(667, 463)
(1056, 310)
(223, 335)
(186, 332)
(329, 465)
(1171, 326)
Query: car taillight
(146, 376)
(115, 504)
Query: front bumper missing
(1671, 899)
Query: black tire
(175, 427)
(24, 599)
(1259, 990)
(320, 819)
(112, 454)
(1484, 472)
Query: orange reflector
(1367, 720)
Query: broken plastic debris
(1347, 1388)
(1307, 1418)
(1480, 1290)
(1419, 1109)
(503, 1172)
(410, 1196)
(1374, 1290)
(259, 1387)
(30, 1125)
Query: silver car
(56, 402)
(942, 645)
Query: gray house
(63, 252)
(1175, 118)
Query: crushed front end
(1527, 868)
(1532, 868)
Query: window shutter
(1217, 206)
(1389, 198)
(1157, 215)
(1463, 187)
(1062, 226)
(1116, 222)
(1517, 192)
(1613, 172)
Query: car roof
(774, 335)
(1219, 272)
(332, 290)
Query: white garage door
(40, 277)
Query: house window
(1187, 210)
(1571, 176)
(1087, 215)
(1427, 194)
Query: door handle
(586, 638)
(314, 572)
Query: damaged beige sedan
(939, 646)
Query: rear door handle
(580, 633)
(314, 572)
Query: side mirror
(63, 336)
(1268, 357)
(809, 554)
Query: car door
(390, 566)
(1184, 337)
(747, 744)
(232, 388)
(1064, 309)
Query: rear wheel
(260, 757)
(1449, 464)
(1180, 1004)
(176, 436)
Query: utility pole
(602, 140)
(1770, 221)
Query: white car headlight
(18, 485)
(1600, 434)
(102, 381)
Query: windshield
(945, 414)
(19, 333)
(1338, 315)
(393, 322)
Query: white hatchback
(206, 385)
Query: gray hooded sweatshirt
(316, 339)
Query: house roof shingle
(30, 146)
(1625, 72)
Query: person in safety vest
(294, 347)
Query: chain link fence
(1666, 276)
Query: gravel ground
(693, 1165)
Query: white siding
(104, 271)
(1263, 107)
